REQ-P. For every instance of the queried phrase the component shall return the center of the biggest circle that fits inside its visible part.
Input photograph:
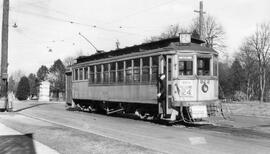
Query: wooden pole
(4, 52)
(201, 12)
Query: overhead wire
(118, 27)
(57, 11)
(77, 23)
(94, 25)
(66, 19)
(141, 11)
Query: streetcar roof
(173, 43)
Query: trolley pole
(200, 19)
(4, 53)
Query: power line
(78, 23)
(141, 11)
(41, 15)
(57, 11)
(118, 27)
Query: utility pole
(200, 18)
(4, 53)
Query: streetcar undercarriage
(144, 111)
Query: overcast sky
(55, 24)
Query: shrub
(239, 96)
(23, 89)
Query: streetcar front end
(195, 84)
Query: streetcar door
(169, 78)
(165, 84)
(69, 88)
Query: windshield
(185, 65)
(203, 66)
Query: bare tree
(68, 61)
(260, 43)
(14, 80)
(247, 57)
(173, 31)
(213, 32)
(17, 75)
(170, 32)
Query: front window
(203, 66)
(185, 66)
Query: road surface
(81, 132)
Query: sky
(54, 25)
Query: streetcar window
(92, 74)
(81, 74)
(120, 71)
(185, 67)
(112, 73)
(128, 71)
(73, 75)
(154, 68)
(85, 73)
(215, 65)
(203, 66)
(136, 70)
(98, 74)
(169, 69)
(106, 73)
(76, 74)
(145, 69)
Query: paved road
(153, 138)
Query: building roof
(194, 45)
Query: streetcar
(174, 79)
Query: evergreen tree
(225, 86)
(237, 76)
(23, 89)
(33, 83)
(42, 73)
(57, 77)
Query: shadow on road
(132, 116)
(21, 144)
(28, 107)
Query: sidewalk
(12, 141)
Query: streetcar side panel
(117, 93)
